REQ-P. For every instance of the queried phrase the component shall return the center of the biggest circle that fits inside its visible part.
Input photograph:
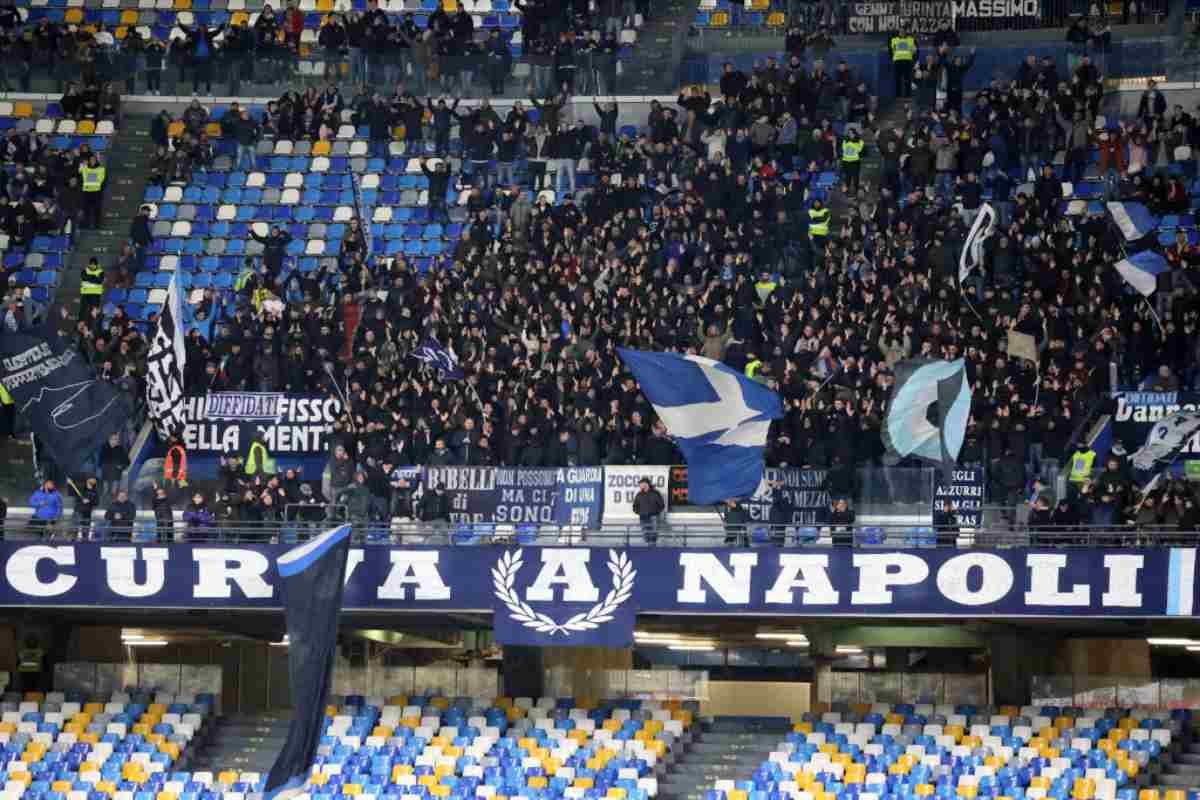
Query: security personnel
(818, 225)
(92, 174)
(175, 469)
(852, 147)
(1081, 465)
(753, 365)
(259, 458)
(91, 287)
(904, 50)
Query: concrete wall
(754, 698)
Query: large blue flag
(717, 416)
(313, 577)
(908, 429)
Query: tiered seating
(881, 752)
(60, 746)
(424, 748)
(726, 13)
(40, 268)
(162, 18)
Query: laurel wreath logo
(504, 576)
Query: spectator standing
(47, 509)
(114, 460)
(91, 288)
(120, 516)
(903, 49)
(648, 505)
(164, 516)
(737, 523)
(92, 175)
(198, 518)
(87, 500)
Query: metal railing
(624, 534)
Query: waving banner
(54, 388)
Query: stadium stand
(966, 751)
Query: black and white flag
(972, 252)
(1167, 438)
(164, 375)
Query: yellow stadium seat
(86, 127)
(318, 778)
(381, 730)
(170, 748)
(828, 747)
(23, 109)
(763, 5)
(90, 738)
(776, 19)
(1118, 734)
(398, 700)
(175, 129)
(1148, 794)
(719, 19)
(899, 769)
(924, 790)
(129, 17)
(89, 766)
(228, 777)
(736, 794)
(426, 780)
(121, 32)
(1083, 789)
(954, 730)
(504, 702)
(107, 787)
(35, 697)
(1039, 782)
(141, 730)
(74, 16)
(399, 770)
(31, 757)
(967, 790)
(584, 783)
(1062, 723)
(60, 786)
(96, 708)
(8, 727)
(167, 796)
(1131, 768)
(441, 790)
(442, 770)
(802, 727)
(330, 711)
(21, 777)
(537, 781)
(411, 722)
(355, 789)
(1175, 794)
(450, 6)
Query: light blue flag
(717, 416)
(908, 430)
(1134, 220)
(1141, 271)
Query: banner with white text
(558, 594)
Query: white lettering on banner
(995, 579)
(808, 573)
(120, 568)
(220, 568)
(21, 571)
(877, 572)
(1149, 406)
(918, 17)
(732, 587)
(416, 567)
(299, 424)
(1045, 575)
(991, 9)
(353, 559)
(1123, 572)
(569, 568)
(621, 487)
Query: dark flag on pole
(313, 577)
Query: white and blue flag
(717, 416)
(1134, 220)
(443, 359)
(313, 579)
(1141, 271)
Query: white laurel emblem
(504, 576)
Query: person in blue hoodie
(47, 508)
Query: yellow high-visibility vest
(1081, 466)
(92, 281)
(818, 222)
(753, 367)
(904, 48)
(93, 178)
(851, 151)
(258, 459)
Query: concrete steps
(717, 755)
(247, 743)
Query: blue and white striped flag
(1134, 220)
(1141, 271)
(314, 575)
(443, 359)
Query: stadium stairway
(724, 750)
(1183, 769)
(127, 162)
(243, 742)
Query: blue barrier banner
(805, 497)
(1138, 412)
(580, 498)
(506, 495)
(561, 583)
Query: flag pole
(1154, 314)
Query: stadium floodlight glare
(797, 643)
(698, 648)
(664, 641)
(131, 637)
(788, 637)
(1171, 642)
(847, 650)
(1193, 648)
(145, 642)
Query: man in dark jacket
(648, 504)
(86, 500)
(439, 187)
(120, 516)
(164, 516)
(737, 523)
(139, 234)
(274, 248)
(114, 460)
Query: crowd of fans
(702, 233)
(574, 43)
